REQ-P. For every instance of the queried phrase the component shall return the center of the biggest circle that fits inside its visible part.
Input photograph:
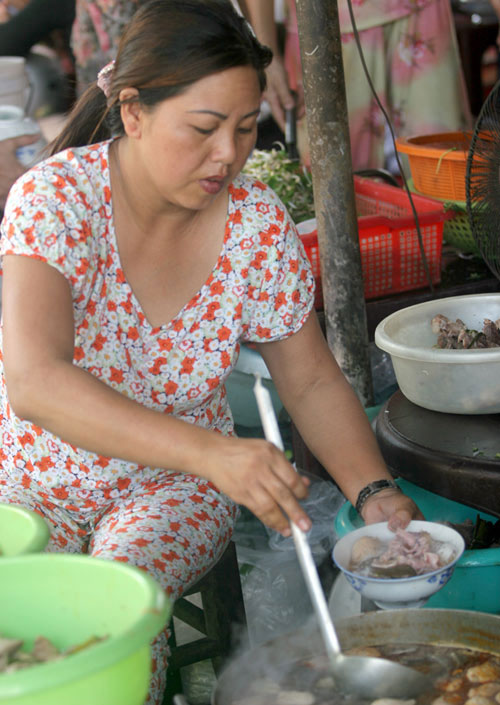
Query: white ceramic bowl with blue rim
(394, 593)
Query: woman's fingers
(392, 506)
(284, 492)
(257, 474)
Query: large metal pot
(459, 628)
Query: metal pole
(331, 166)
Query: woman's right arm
(46, 388)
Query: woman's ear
(130, 111)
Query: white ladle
(367, 677)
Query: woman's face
(192, 145)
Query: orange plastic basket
(391, 261)
(438, 163)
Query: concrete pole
(327, 124)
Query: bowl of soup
(399, 569)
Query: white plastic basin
(451, 381)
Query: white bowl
(394, 593)
(452, 381)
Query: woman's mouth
(212, 185)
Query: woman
(134, 266)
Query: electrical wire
(393, 137)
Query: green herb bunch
(288, 178)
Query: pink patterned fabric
(375, 13)
(96, 33)
(411, 52)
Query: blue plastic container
(475, 583)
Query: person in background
(98, 27)
(136, 260)
(97, 30)
(412, 56)
(24, 23)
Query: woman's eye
(245, 130)
(203, 131)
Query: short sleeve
(50, 214)
(280, 294)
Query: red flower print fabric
(261, 289)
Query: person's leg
(66, 534)
(366, 120)
(175, 528)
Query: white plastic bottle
(14, 123)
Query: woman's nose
(225, 148)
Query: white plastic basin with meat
(451, 381)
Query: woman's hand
(256, 474)
(392, 506)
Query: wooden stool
(221, 614)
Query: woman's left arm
(332, 421)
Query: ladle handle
(309, 571)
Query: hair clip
(104, 78)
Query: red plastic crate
(390, 254)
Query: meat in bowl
(408, 554)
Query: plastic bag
(274, 591)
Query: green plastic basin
(21, 531)
(475, 580)
(69, 599)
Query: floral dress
(411, 52)
(172, 524)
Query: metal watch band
(372, 489)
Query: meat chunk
(365, 548)
(479, 700)
(295, 697)
(452, 685)
(392, 701)
(485, 672)
(412, 548)
(485, 689)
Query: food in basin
(410, 565)
(455, 335)
(14, 656)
